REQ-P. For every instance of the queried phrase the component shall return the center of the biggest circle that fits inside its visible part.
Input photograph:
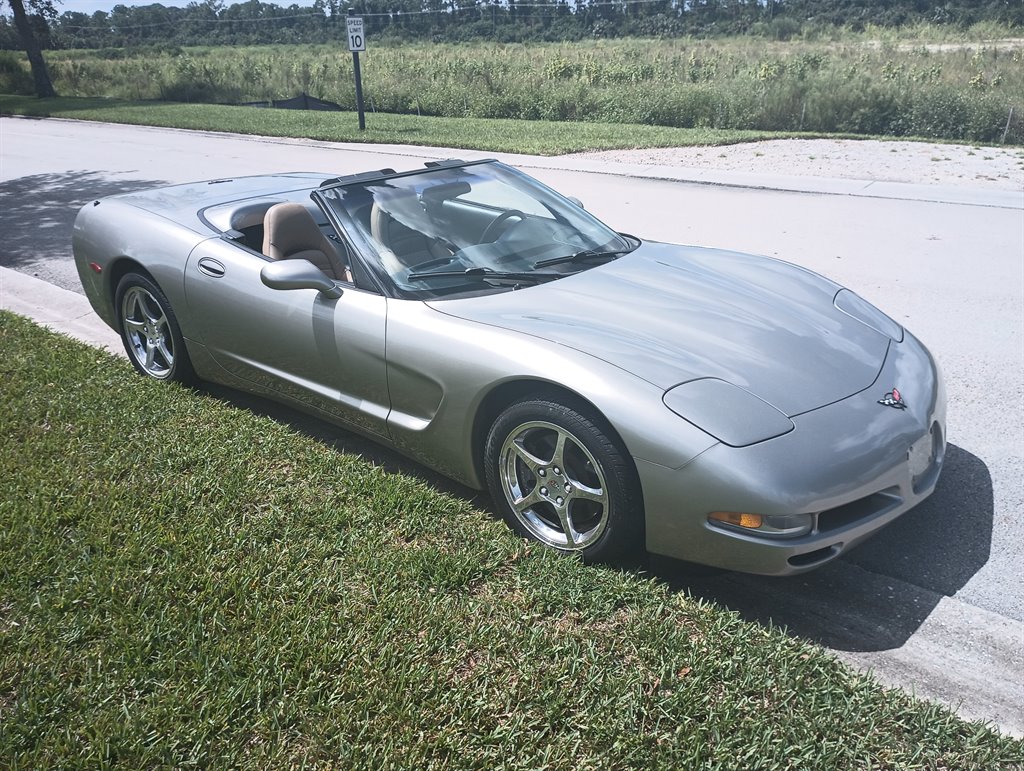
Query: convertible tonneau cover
(185, 203)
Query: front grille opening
(858, 510)
(814, 557)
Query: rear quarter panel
(114, 235)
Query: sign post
(357, 43)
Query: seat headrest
(288, 228)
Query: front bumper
(848, 464)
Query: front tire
(150, 332)
(559, 476)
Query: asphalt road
(934, 603)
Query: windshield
(473, 228)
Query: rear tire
(559, 476)
(150, 332)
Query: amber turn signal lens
(739, 519)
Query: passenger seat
(291, 233)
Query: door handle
(211, 267)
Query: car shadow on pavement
(39, 213)
(878, 595)
(873, 598)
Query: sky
(90, 6)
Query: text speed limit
(356, 39)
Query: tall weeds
(856, 86)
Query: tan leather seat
(291, 233)
(401, 225)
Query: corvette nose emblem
(893, 399)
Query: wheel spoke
(558, 456)
(150, 355)
(153, 317)
(567, 528)
(528, 501)
(133, 310)
(134, 326)
(165, 353)
(532, 461)
(581, 493)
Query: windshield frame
(559, 212)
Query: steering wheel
(493, 231)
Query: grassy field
(184, 583)
(861, 85)
(531, 137)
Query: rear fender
(111, 235)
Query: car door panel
(328, 353)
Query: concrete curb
(58, 309)
(979, 680)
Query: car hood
(670, 314)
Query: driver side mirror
(298, 274)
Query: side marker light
(739, 519)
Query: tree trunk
(35, 54)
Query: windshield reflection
(477, 227)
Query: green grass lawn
(499, 135)
(185, 583)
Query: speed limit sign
(356, 40)
(357, 43)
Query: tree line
(254, 22)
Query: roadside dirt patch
(1006, 44)
(919, 163)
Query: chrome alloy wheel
(147, 332)
(554, 485)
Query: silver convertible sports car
(612, 394)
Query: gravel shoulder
(922, 163)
